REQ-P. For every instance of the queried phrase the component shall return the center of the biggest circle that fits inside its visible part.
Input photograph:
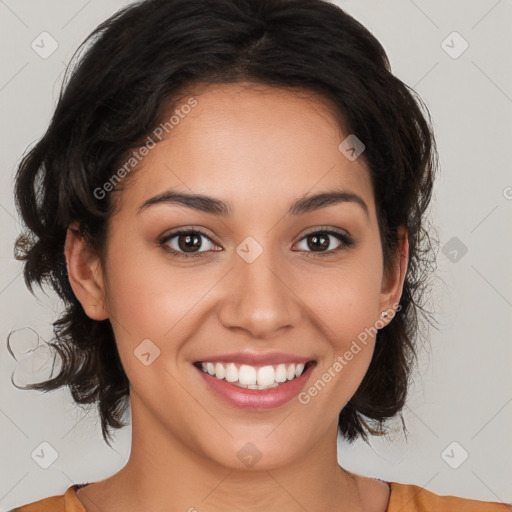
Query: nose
(259, 298)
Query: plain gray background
(460, 403)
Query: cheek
(348, 316)
(147, 295)
(148, 299)
(345, 303)
(345, 299)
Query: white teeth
(256, 386)
(231, 373)
(281, 373)
(247, 375)
(220, 371)
(265, 376)
(250, 377)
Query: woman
(231, 200)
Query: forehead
(249, 143)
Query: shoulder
(417, 499)
(67, 502)
(53, 504)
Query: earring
(384, 314)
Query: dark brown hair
(130, 71)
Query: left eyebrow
(324, 199)
(215, 206)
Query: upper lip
(255, 359)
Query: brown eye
(322, 242)
(187, 242)
(318, 242)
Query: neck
(163, 474)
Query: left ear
(393, 280)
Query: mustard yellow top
(403, 498)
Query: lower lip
(243, 398)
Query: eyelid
(323, 229)
(189, 229)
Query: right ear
(85, 274)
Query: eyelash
(346, 242)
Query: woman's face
(257, 283)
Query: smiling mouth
(254, 377)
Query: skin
(258, 149)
